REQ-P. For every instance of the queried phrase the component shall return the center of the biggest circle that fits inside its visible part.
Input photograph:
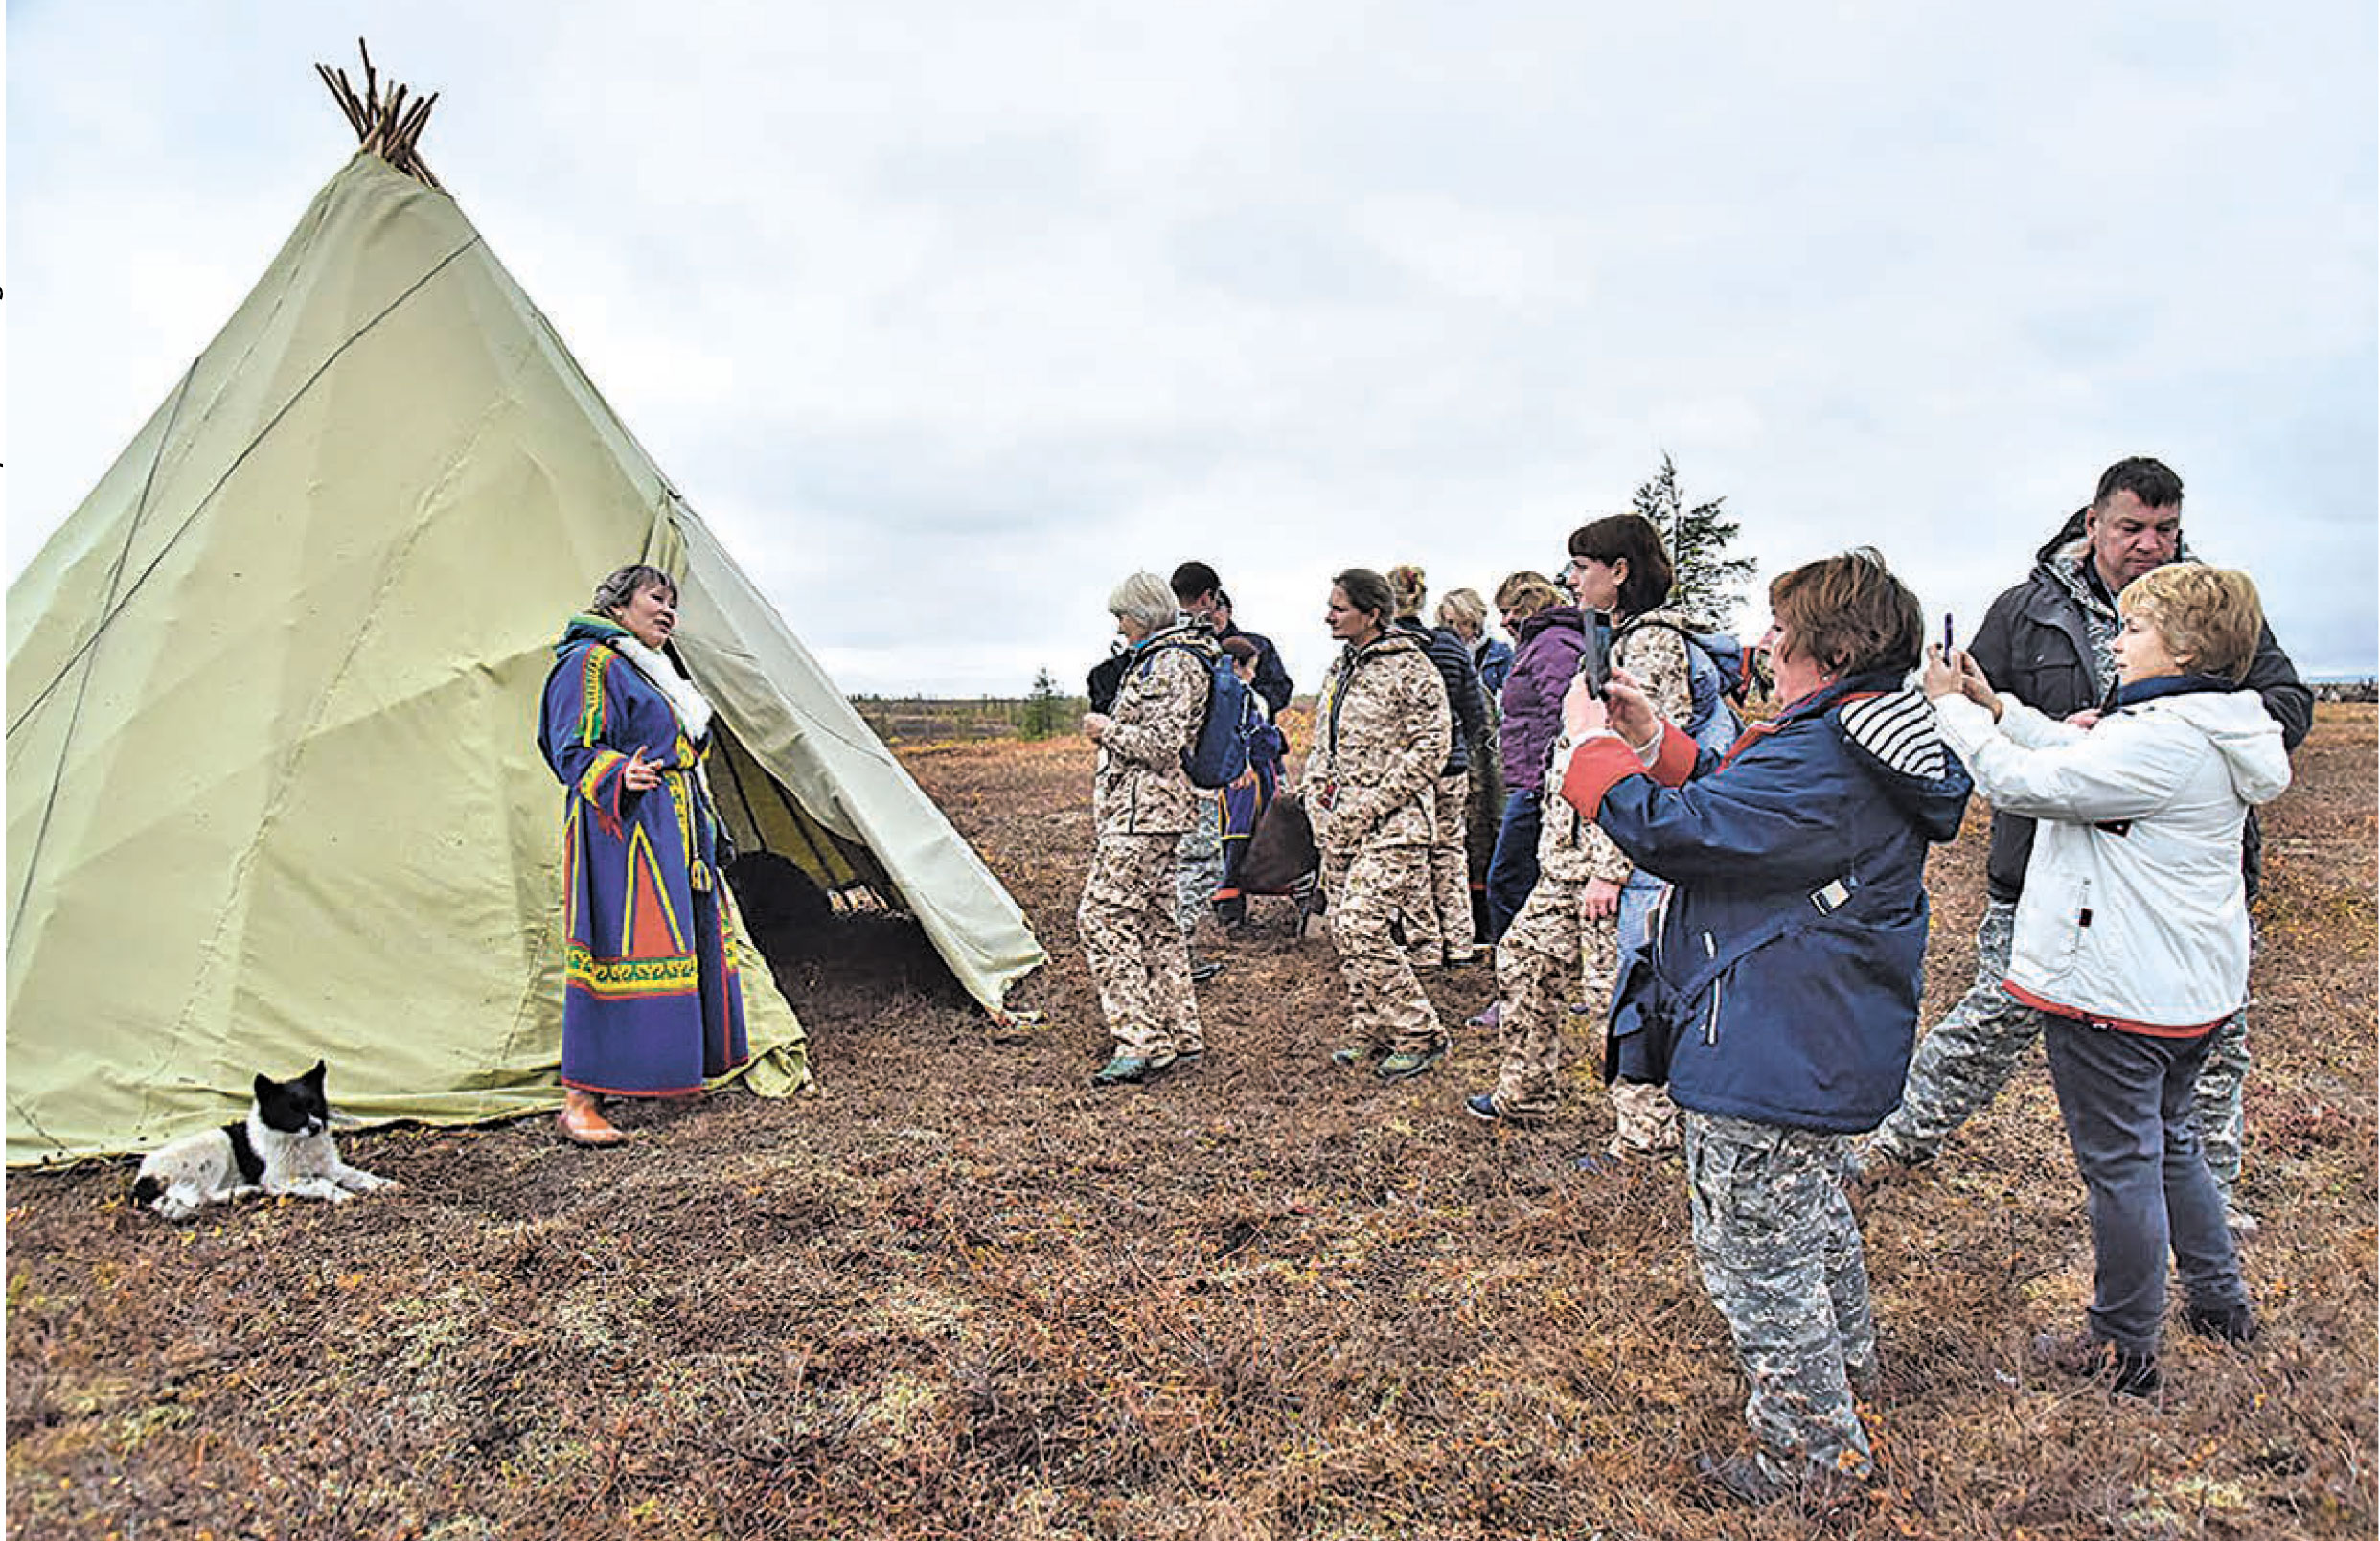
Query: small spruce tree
(1043, 707)
(1707, 577)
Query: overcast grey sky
(947, 317)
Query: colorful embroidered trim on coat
(592, 694)
(616, 978)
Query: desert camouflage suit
(1771, 1228)
(1381, 728)
(1972, 1053)
(1444, 931)
(1552, 939)
(1141, 801)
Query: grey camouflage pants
(1199, 863)
(1971, 1054)
(1780, 1257)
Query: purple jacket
(1550, 644)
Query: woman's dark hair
(624, 584)
(1649, 571)
(1367, 591)
(1850, 614)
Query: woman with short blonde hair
(1141, 801)
(1145, 600)
(2131, 933)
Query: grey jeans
(2127, 1103)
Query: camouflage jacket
(1569, 846)
(1140, 787)
(1382, 728)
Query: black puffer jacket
(2035, 643)
(1463, 695)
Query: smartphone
(1947, 644)
(1594, 660)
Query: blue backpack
(1219, 756)
(1714, 682)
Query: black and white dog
(284, 1147)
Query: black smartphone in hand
(1594, 660)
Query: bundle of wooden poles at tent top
(388, 126)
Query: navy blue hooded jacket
(1786, 969)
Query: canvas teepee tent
(272, 694)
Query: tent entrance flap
(762, 816)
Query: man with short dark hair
(1198, 589)
(1273, 681)
(2048, 641)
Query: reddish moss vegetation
(963, 1295)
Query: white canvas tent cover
(274, 791)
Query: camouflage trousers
(1551, 948)
(1370, 887)
(1537, 971)
(1200, 863)
(1780, 1255)
(1971, 1054)
(1134, 949)
(1444, 923)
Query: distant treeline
(938, 719)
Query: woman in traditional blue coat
(652, 1003)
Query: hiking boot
(1406, 1064)
(2234, 1324)
(1490, 1020)
(2088, 1356)
(1125, 1069)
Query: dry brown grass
(965, 1295)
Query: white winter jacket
(2134, 913)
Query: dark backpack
(1106, 678)
(1218, 757)
(1715, 680)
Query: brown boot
(583, 1121)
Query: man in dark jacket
(1273, 681)
(2048, 642)
(1198, 589)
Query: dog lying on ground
(284, 1147)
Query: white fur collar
(693, 711)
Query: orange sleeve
(1596, 766)
(1675, 762)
